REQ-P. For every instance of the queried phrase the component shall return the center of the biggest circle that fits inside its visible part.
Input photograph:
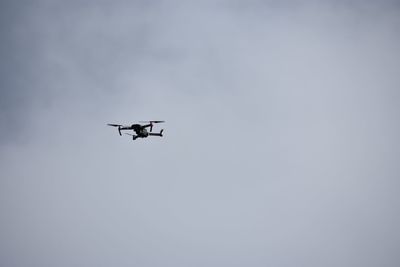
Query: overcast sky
(281, 144)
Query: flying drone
(139, 129)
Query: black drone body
(140, 130)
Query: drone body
(139, 130)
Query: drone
(139, 129)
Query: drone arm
(157, 134)
(121, 128)
(148, 125)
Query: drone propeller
(153, 121)
(116, 125)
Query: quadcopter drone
(140, 130)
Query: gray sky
(281, 145)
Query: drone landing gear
(134, 137)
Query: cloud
(280, 145)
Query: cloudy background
(281, 145)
